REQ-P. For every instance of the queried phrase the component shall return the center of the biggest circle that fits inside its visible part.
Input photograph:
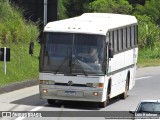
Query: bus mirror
(1, 53)
(40, 41)
(111, 53)
(31, 48)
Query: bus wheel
(105, 103)
(125, 94)
(51, 101)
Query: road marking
(35, 109)
(143, 77)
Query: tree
(76, 7)
(62, 12)
(148, 32)
(151, 8)
(111, 6)
(134, 2)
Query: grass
(149, 57)
(13, 27)
(16, 33)
(22, 66)
(146, 62)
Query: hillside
(16, 33)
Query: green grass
(16, 33)
(146, 62)
(13, 27)
(149, 57)
(22, 66)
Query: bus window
(124, 38)
(120, 42)
(128, 37)
(136, 35)
(111, 39)
(115, 41)
(132, 35)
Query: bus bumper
(80, 94)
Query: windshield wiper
(76, 61)
(66, 58)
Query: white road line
(35, 109)
(143, 77)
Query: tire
(105, 103)
(51, 101)
(125, 94)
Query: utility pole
(5, 65)
(45, 11)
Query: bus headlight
(47, 82)
(45, 91)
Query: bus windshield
(75, 54)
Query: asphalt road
(27, 99)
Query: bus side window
(120, 40)
(132, 36)
(136, 35)
(124, 38)
(128, 37)
(111, 40)
(115, 41)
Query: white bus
(68, 69)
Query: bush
(148, 33)
(111, 6)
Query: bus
(68, 70)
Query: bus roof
(91, 23)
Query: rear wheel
(51, 101)
(125, 94)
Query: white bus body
(66, 74)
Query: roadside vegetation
(16, 32)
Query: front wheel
(105, 103)
(51, 101)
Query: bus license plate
(70, 93)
